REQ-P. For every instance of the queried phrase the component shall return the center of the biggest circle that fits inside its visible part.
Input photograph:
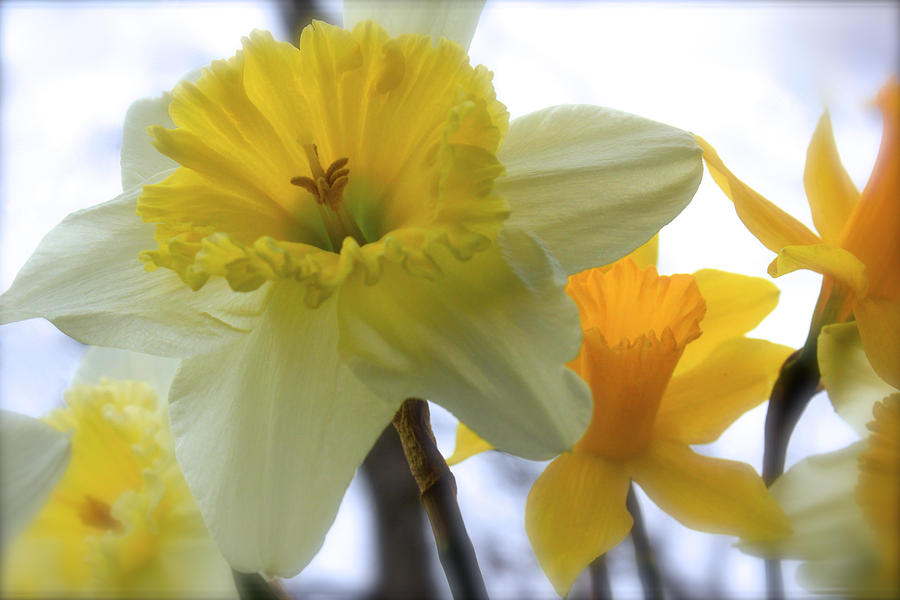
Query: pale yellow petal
(576, 512)
(771, 225)
(735, 304)
(467, 444)
(825, 259)
(852, 385)
(701, 403)
(879, 326)
(454, 19)
(829, 189)
(708, 494)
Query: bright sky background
(752, 78)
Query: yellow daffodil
(845, 505)
(858, 249)
(332, 229)
(121, 521)
(658, 387)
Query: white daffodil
(118, 519)
(332, 229)
(844, 505)
(33, 456)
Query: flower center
(636, 325)
(96, 513)
(418, 124)
(328, 188)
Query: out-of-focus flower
(658, 387)
(121, 522)
(339, 227)
(25, 484)
(844, 506)
(858, 249)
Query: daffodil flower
(33, 456)
(121, 521)
(332, 229)
(857, 249)
(844, 506)
(658, 387)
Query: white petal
(33, 456)
(817, 495)
(853, 386)
(124, 365)
(595, 183)
(85, 277)
(453, 19)
(140, 160)
(488, 339)
(269, 433)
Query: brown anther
(337, 175)
(335, 166)
(307, 184)
(96, 513)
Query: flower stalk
(648, 568)
(437, 488)
(600, 587)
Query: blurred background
(751, 77)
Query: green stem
(437, 488)
(648, 569)
(600, 588)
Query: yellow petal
(825, 259)
(735, 304)
(576, 512)
(708, 494)
(879, 326)
(700, 404)
(871, 235)
(829, 189)
(467, 444)
(771, 225)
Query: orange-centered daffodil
(668, 366)
(332, 228)
(858, 246)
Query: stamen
(335, 166)
(328, 188)
(96, 513)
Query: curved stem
(648, 569)
(437, 488)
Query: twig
(438, 492)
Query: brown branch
(437, 488)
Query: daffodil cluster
(321, 231)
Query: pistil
(327, 186)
